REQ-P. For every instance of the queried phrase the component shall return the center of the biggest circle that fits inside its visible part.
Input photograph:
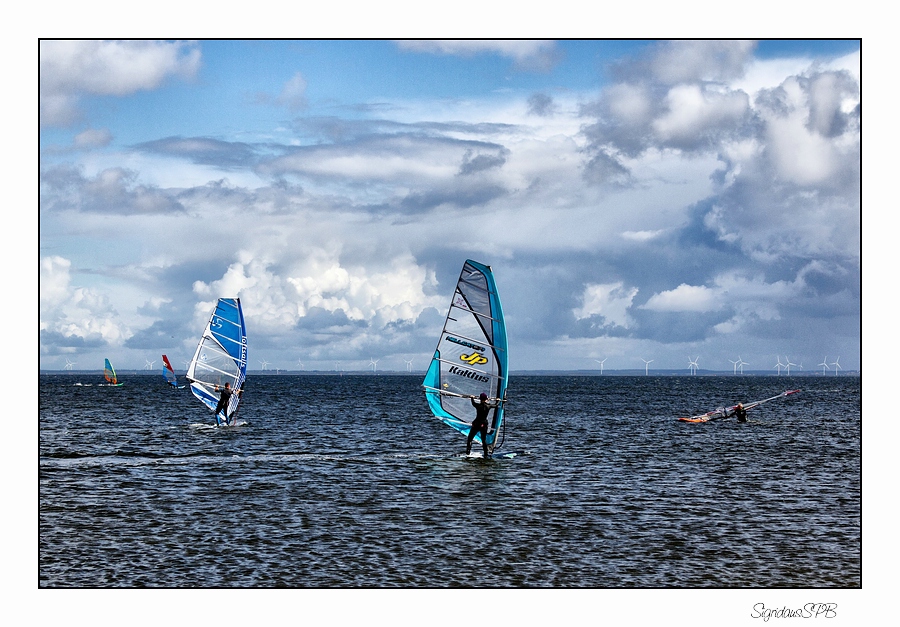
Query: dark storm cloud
(114, 190)
(333, 129)
(462, 198)
(541, 104)
(55, 340)
(204, 150)
(473, 163)
(160, 333)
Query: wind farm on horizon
(404, 366)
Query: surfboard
(495, 455)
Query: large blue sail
(471, 355)
(221, 355)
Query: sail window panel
(466, 324)
(213, 366)
(476, 300)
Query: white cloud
(539, 53)
(630, 103)
(93, 138)
(702, 60)
(293, 95)
(72, 68)
(378, 293)
(685, 297)
(610, 301)
(692, 111)
(78, 314)
(642, 236)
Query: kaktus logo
(469, 374)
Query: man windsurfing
(480, 425)
(224, 400)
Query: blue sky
(638, 200)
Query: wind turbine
(601, 363)
(741, 364)
(735, 365)
(788, 364)
(263, 365)
(693, 365)
(374, 363)
(646, 366)
(300, 363)
(824, 364)
(69, 364)
(779, 365)
(408, 365)
(836, 365)
(149, 364)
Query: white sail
(471, 356)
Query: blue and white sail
(471, 355)
(221, 356)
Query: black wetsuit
(223, 402)
(741, 414)
(479, 425)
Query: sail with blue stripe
(471, 356)
(221, 356)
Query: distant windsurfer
(740, 413)
(480, 425)
(224, 400)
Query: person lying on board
(224, 399)
(480, 424)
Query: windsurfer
(224, 399)
(480, 425)
(740, 413)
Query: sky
(639, 201)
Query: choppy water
(348, 482)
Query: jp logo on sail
(474, 359)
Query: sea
(348, 482)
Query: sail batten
(471, 357)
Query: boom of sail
(221, 356)
(471, 356)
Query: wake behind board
(497, 455)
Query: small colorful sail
(168, 372)
(110, 373)
(221, 356)
(471, 355)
